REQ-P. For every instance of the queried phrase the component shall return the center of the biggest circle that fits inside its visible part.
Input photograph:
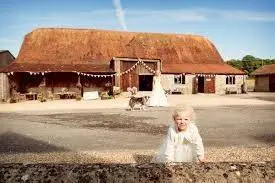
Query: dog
(141, 101)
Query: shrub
(42, 99)
(105, 96)
(78, 97)
(13, 100)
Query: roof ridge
(117, 31)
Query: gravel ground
(230, 133)
(228, 154)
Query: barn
(265, 78)
(82, 60)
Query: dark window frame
(179, 79)
(230, 80)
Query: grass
(250, 84)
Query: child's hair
(183, 109)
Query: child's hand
(201, 160)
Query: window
(179, 79)
(230, 80)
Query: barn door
(272, 82)
(129, 79)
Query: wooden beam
(135, 59)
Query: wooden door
(129, 79)
(209, 86)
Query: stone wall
(187, 88)
(208, 172)
(221, 84)
(4, 87)
(167, 81)
(189, 83)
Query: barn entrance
(135, 72)
(145, 82)
(200, 84)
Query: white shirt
(184, 146)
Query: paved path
(198, 100)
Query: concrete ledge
(208, 172)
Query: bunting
(139, 62)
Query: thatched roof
(88, 46)
(265, 70)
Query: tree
(248, 63)
(236, 63)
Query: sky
(236, 27)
